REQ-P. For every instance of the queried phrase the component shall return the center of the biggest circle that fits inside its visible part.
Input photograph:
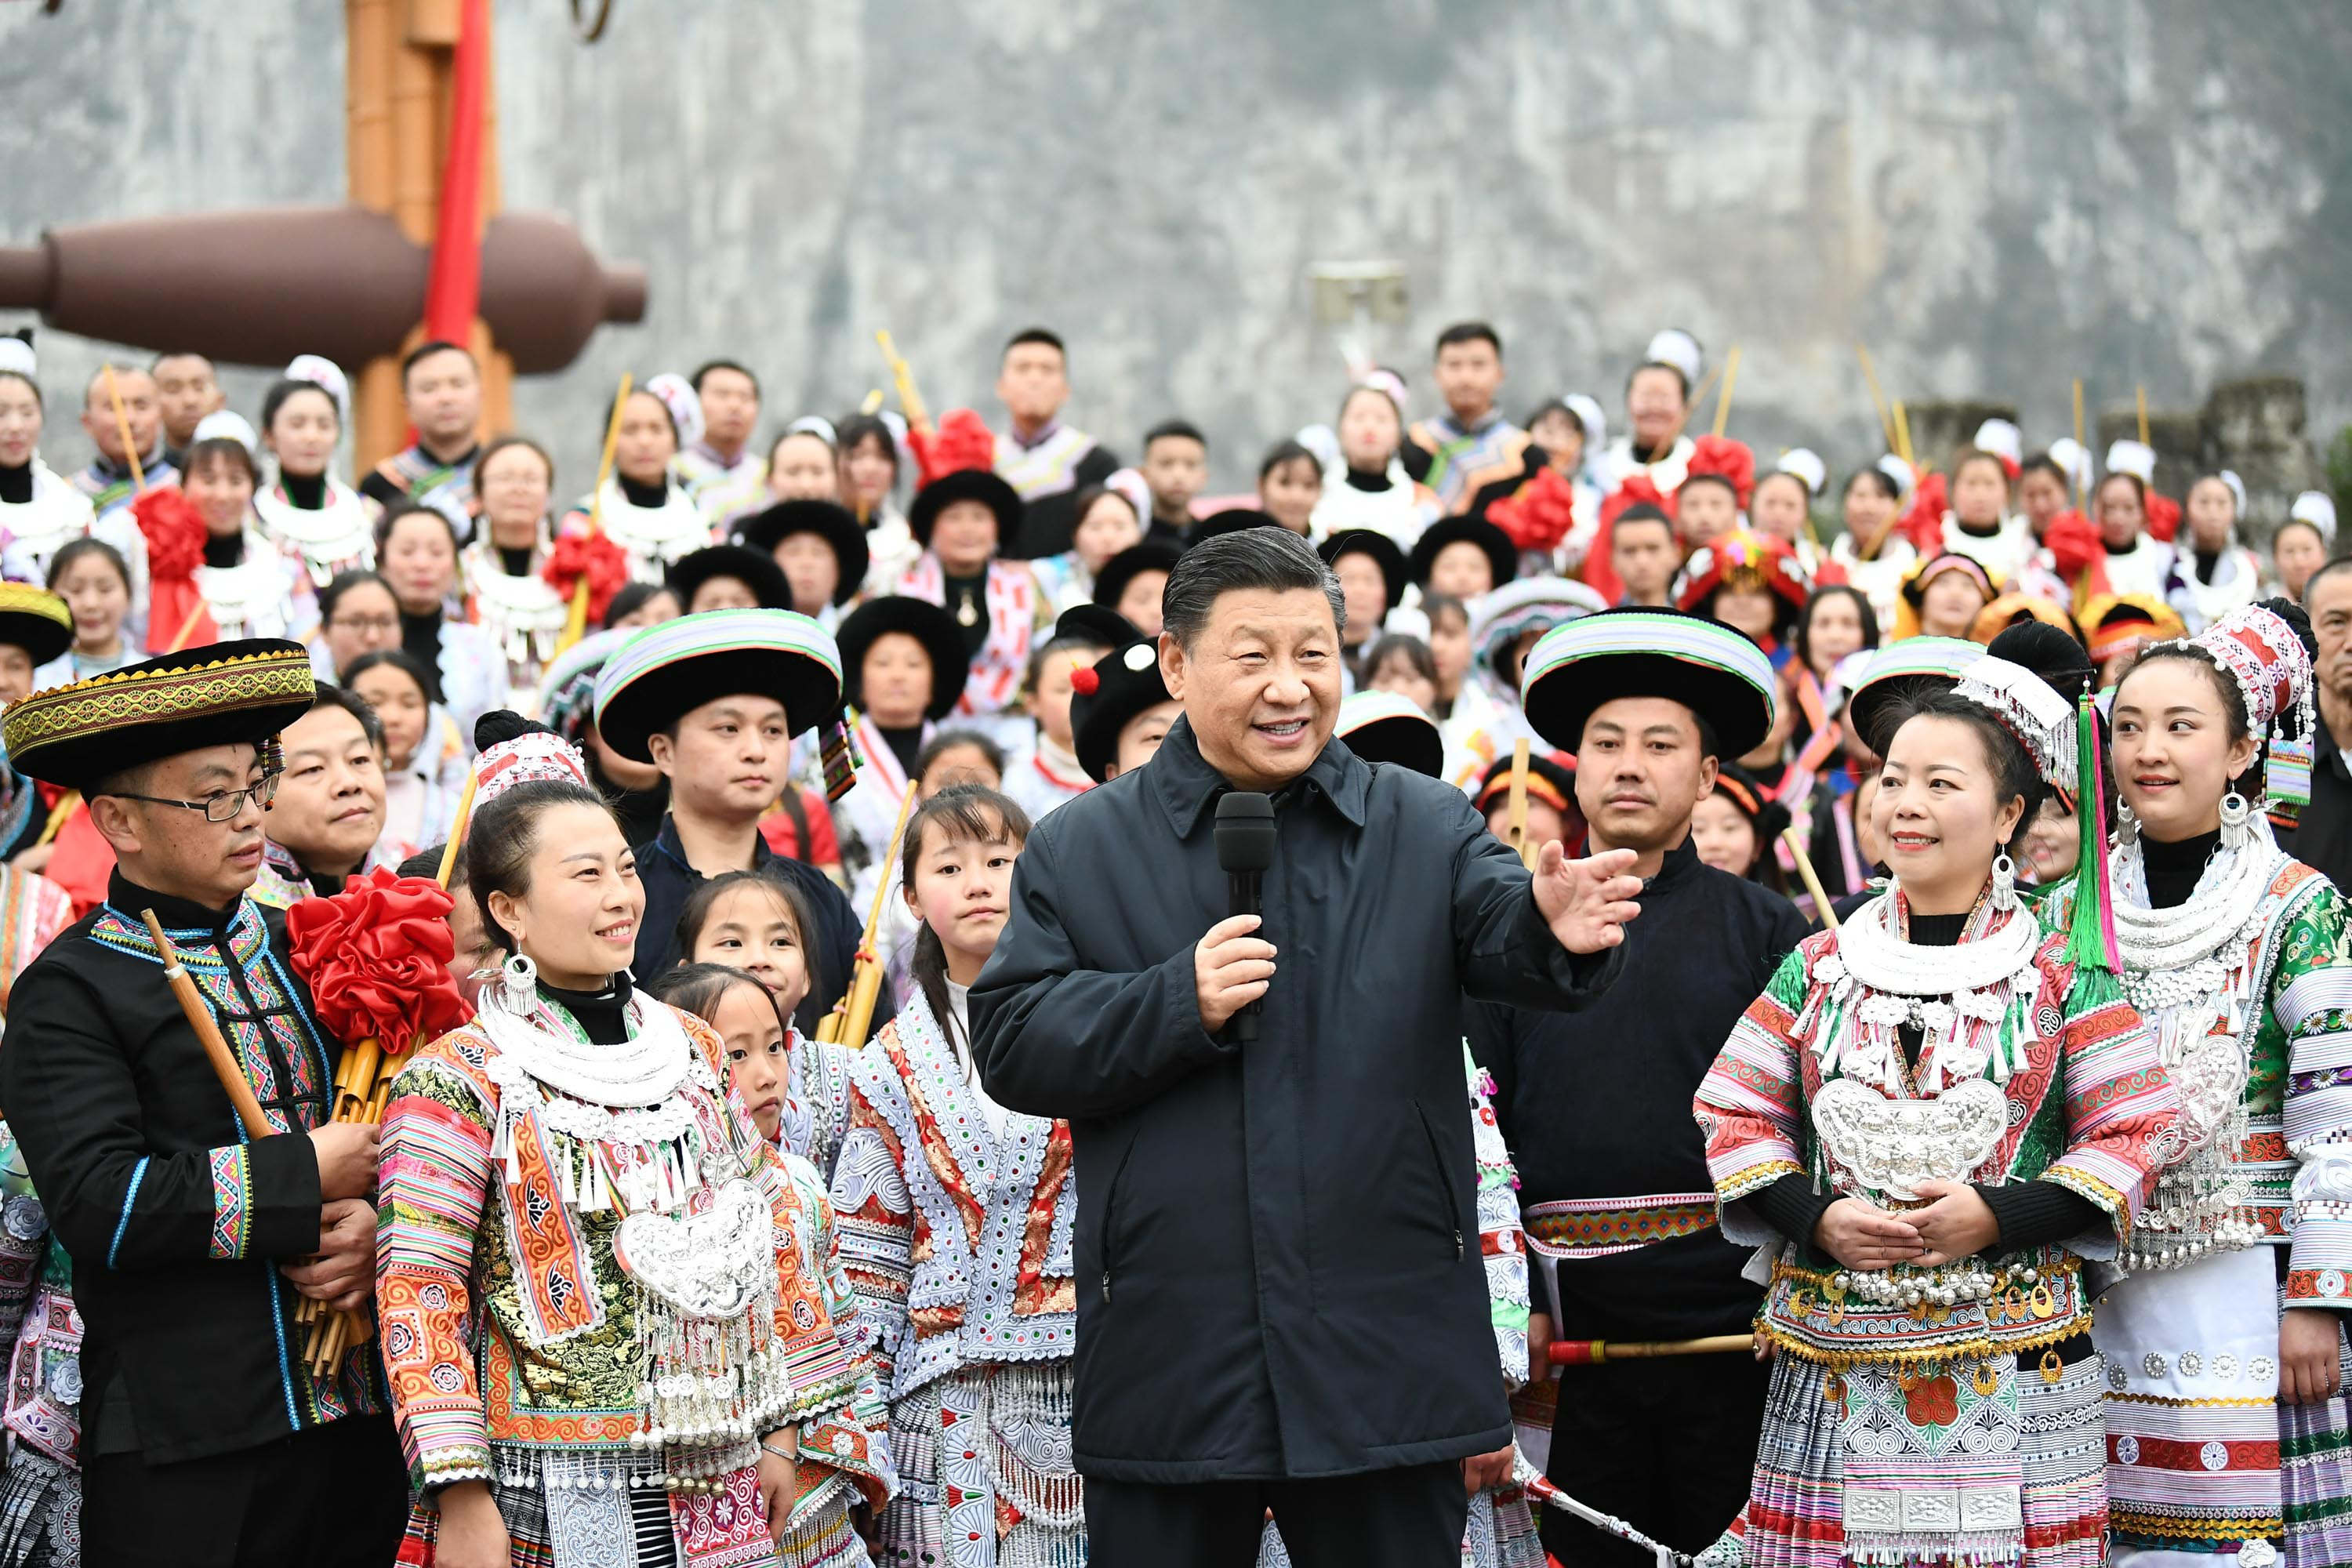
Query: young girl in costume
(759, 924)
(424, 758)
(754, 1025)
(252, 585)
(956, 1219)
(519, 611)
(92, 578)
(643, 506)
(2224, 1344)
(605, 1316)
(1925, 1124)
(309, 511)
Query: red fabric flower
(1728, 459)
(1924, 523)
(177, 615)
(605, 564)
(1932, 1401)
(961, 441)
(1600, 572)
(1540, 513)
(2163, 517)
(2075, 546)
(377, 957)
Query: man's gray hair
(1272, 559)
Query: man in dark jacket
(1613, 1186)
(1281, 1303)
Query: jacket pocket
(1444, 1179)
(1110, 1214)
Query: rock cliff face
(1996, 195)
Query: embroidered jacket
(38, 1318)
(957, 1239)
(507, 1324)
(178, 1218)
(993, 683)
(2286, 1068)
(2063, 1088)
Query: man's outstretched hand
(1587, 902)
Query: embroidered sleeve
(1749, 1106)
(115, 1203)
(852, 1438)
(24, 1238)
(875, 1216)
(820, 1349)
(1500, 1238)
(232, 1170)
(2122, 1114)
(2311, 1002)
(432, 1199)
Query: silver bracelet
(769, 1447)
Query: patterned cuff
(232, 1170)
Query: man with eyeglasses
(200, 1436)
(327, 822)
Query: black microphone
(1245, 849)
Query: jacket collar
(1188, 786)
(130, 900)
(669, 843)
(1680, 865)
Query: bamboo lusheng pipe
(575, 622)
(1546, 1490)
(1878, 398)
(1514, 831)
(1598, 1353)
(910, 402)
(2139, 397)
(853, 1014)
(123, 424)
(1795, 843)
(1730, 379)
(199, 1014)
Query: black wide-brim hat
(1098, 624)
(1152, 555)
(666, 671)
(1709, 669)
(927, 624)
(231, 693)
(966, 484)
(1233, 519)
(1383, 727)
(1502, 555)
(837, 525)
(1125, 683)
(1376, 544)
(35, 620)
(755, 568)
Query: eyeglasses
(226, 806)
(366, 623)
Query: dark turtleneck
(967, 596)
(420, 639)
(2206, 560)
(2173, 868)
(603, 1016)
(515, 562)
(304, 493)
(905, 744)
(224, 550)
(652, 495)
(16, 484)
(1375, 482)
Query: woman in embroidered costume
(604, 1313)
(1368, 487)
(754, 923)
(252, 585)
(39, 508)
(1925, 1123)
(2212, 573)
(961, 516)
(902, 663)
(645, 511)
(2234, 951)
(310, 511)
(417, 550)
(956, 1220)
(520, 612)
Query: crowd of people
(1957, 1123)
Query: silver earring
(2237, 813)
(2126, 825)
(2004, 882)
(519, 985)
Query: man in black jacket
(204, 1439)
(1613, 1186)
(1281, 1303)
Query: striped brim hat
(232, 693)
(1703, 665)
(1902, 669)
(666, 671)
(35, 620)
(1384, 727)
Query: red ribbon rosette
(1600, 572)
(1726, 459)
(606, 565)
(2163, 517)
(962, 441)
(377, 957)
(1923, 525)
(175, 531)
(2075, 547)
(1539, 514)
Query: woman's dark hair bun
(503, 725)
(2048, 653)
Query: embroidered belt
(1571, 1229)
